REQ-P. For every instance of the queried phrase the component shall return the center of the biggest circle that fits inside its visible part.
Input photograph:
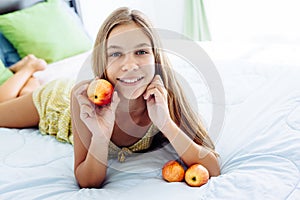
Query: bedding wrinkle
(10, 149)
(293, 118)
(249, 168)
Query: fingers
(82, 100)
(87, 108)
(81, 90)
(151, 92)
(157, 82)
(155, 89)
(86, 112)
(81, 96)
(115, 101)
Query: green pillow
(48, 30)
(5, 73)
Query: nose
(129, 63)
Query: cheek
(112, 81)
(149, 66)
(151, 74)
(111, 75)
(150, 71)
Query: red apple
(173, 171)
(196, 175)
(100, 92)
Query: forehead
(127, 36)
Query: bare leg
(31, 85)
(22, 79)
(11, 88)
(19, 65)
(19, 113)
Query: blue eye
(141, 52)
(115, 54)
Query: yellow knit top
(53, 104)
(143, 144)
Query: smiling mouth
(129, 80)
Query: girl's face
(130, 60)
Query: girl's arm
(90, 142)
(189, 151)
(90, 159)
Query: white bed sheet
(259, 144)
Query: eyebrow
(137, 46)
(143, 45)
(114, 47)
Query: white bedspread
(259, 144)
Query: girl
(147, 100)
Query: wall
(163, 13)
(230, 20)
(254, 20)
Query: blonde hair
(180, 110)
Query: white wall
(254, 20)
(229, 20)
(163, 13)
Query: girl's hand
(99, 120)
(156, 96)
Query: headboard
(7, 6)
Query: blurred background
(265, 21)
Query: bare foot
(30, 63)
(36, 64)
(18, 65)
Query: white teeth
(130, 80)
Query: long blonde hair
(180, 110)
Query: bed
(257, 134)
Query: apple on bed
(100, 92)
(173, 171)
(196, 175)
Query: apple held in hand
(173, 171)
(100, 92)
(196, 175)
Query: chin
(132, 95)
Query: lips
(130, 80)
